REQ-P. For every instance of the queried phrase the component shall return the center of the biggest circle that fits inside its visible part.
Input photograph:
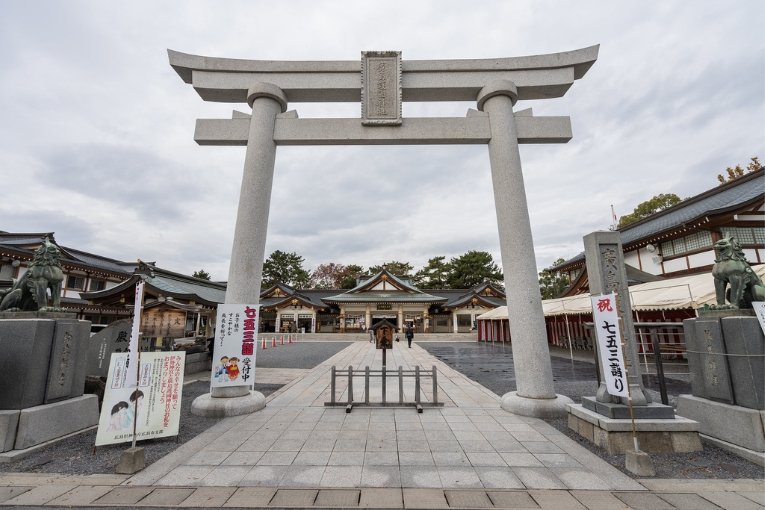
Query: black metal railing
(418, 374)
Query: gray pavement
(299, 453)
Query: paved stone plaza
(299, 453)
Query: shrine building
(383, 296)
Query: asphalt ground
(492, 367)
(297, 355)
(76, 455)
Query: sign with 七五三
(609, 338)
(236, 339)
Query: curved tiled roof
(28, 242)
(732, 195)
(408, 294)
(172, 285)
(738, 193)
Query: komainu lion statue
(30, 292)
(734, 278)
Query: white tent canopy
(685, 292)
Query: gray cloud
(95, 118)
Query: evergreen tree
(400, 269)
(435, 274)
(201, 274)
(551, 282)
(286, 268)
(651, 206)
(472, 268)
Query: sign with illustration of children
(153, 403)
(236, 342)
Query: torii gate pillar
(381, 81)
(535, 395)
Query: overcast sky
(96, 129)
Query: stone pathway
(469, 443)
(299, 453)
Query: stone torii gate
(381, 80)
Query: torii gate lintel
(382, 81)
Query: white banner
(759, 309)
(236, 342)
(135, 336)
(154, 405)
(606, 319)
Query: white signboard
(236, 342)
(759, 309)
(154, 405)
(609, 339)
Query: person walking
(409, 334)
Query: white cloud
(96, 128)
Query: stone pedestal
(726, 359)
(224, 406)
(33, 426)
(615, 435)
(42, 361)
(738, 429)
(46, 422)
(9, 422)
(650, 411)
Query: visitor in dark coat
(409, 335)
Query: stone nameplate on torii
(381, 88)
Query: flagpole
(635, 441)
(134, 348)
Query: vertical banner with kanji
(236, 340)
(153, 402)
(606, 320)
(135, 335)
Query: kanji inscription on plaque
(380, 88)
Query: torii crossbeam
(381, 81)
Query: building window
(689, 243)
(96, 285)
(745, 235)
(75, 282)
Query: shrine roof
(27, 242)
(728, 197)
(169, 284)
(740, 192)
(367, 291)
(385, 297)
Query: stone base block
(639, 463)
(545, 408)
(197, 362)
(652, 411)
(49, 421)
(132, 461)
(655, 436)
(9, 422)
(221, 407)
(734, 424)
